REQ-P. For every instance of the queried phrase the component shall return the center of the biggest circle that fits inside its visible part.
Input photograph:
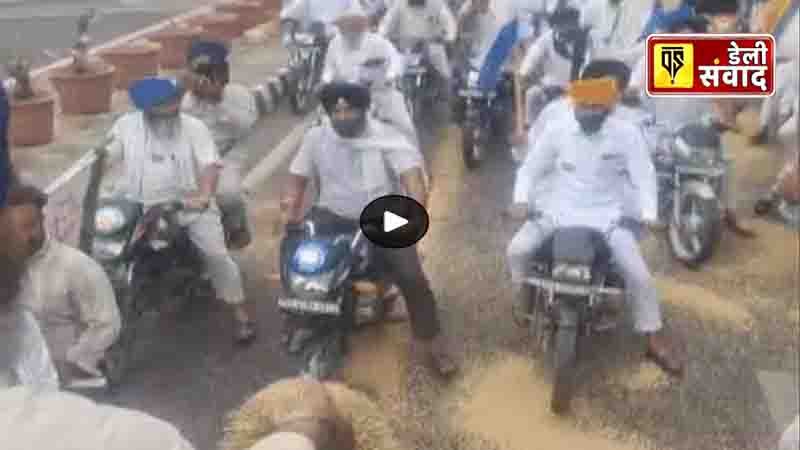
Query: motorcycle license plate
(309, 306)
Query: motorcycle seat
(575, 245)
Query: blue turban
(5, 159)
(214, 52)
(151, 92)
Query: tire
(565, 356)
(325, 356)
(469, 147)
(120, 355)
(300, 99)
(705, 240)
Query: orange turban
(594, 92)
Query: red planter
(32, 121)
(224, 27)
(84, 93)
(133, 62)
(251, 13)
(175, 42)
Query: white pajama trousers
(639, 283)
(206, 232)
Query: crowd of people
(585, 161)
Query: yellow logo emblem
(673, 66)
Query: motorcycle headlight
(109, 220)
(472, 78)
(572, 273)
(104, 249)
(309, 257)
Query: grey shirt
(352, 172)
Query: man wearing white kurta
(229, 111)
(307, 12)
(170, 156)
(672, 113)
(32, 419)
(430, 21)
(616, 26)
(593, 158)
(347, 58)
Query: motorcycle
(574, 286)
(329, 286)
(152, 264)
(418, 83)
(306, 60)
(487, 116)
(690, 168)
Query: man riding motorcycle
(409, 22)
(354, 159)
(593, 158)
(349, 58)
(229, 111)
(675, 112)
(171, 156)
(555, 59)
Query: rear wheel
(695, 236)
(565, 346)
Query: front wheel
(471, 144)
(119, 357)
(695, 234)
(325, 356)
(565, 357)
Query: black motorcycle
(306, 61)
(420, 84)
(330, 289)
(487, 116)
(152, 264)
(574, 287)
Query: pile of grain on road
(705, 304)
(378, 361)
(281, 401)
(373, 428)
(296, 398)
(506, 403)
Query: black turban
(355, 95)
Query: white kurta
(24, 356)
(306, 12)
(615, 30)
(57, 420)
(73, 300)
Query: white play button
(392, 221)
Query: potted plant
(251, 12)
(32, 110)
(175, 40)
(133, 61)
(224, 27)
(86, 85)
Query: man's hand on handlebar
(197, 201)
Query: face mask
(590, 120)
(350, 128)
(416, 3)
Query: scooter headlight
(572, 273)
(472, 78)
(109, 220)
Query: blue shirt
(5, 162)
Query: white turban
(284, 441)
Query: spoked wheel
(540, 325)
(698, 231)
(301, 95)
(565, 356)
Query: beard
(164, 127)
